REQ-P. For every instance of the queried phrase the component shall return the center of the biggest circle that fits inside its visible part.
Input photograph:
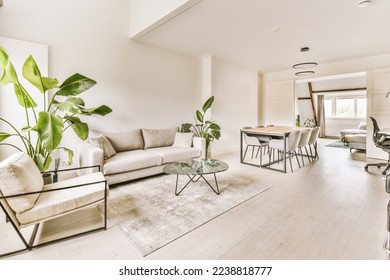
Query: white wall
(145, 86)
(10, 110)
(236, 102)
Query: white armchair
(26, 201)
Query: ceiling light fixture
(304, 73)
(365, 3)
(305, 65)
(305, 49)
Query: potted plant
(204, 128)
(60, 112)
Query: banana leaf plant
(60, 112)
(204, 128)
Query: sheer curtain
(321, 115)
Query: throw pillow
(126, 140)
(183, 139)
(102, 142)
(19, 175)
(154, 138)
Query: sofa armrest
(90, 155)
(200, 143)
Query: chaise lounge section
(125, 156)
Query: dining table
(279, 132)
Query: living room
(150, 85)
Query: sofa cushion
(183, 139)
(130, 160)
(50, 204)
(171, 154)
(362, 126)
(125, 141)
(103, 143)
(18, 175)
(159, 137)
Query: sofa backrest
(125, 141)
(154, 138)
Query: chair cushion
(102, 142)
(19, 175)
(159, 137)
(171, 154)
(52, 204)
(129, 161)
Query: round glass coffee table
(195, 169)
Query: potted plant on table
(203, 127)
(59, 113)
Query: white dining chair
(292, 141)
(315, 131)
(303, 143)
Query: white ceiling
(241, 31)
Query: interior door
(279, 103)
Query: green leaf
(185, 127)
(4, 135)
(24, 99)
(26, 129)
(80, 128)
(199, 116)
(9, 74)
(32, 74)
(75, 85)
(42, 162)
(214, 126)
(101, 110)
(50, 130)
(208, 104)
(70, 155)
(70, 105)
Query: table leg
(285, 154)
(196, 180)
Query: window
(345, 107)
(338, 106)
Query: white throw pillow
(102, 142)
(19, 175)
(183, 139)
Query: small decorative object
(206, 129)
(298, 121)
(309, 123)
(43, 132)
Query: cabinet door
(378, 107)
(279, 103)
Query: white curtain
(321, 115)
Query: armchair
(26, 201)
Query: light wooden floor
(330, 209)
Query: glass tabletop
(195, 167)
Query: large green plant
(203, 127)
(59, 113)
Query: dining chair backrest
(293, 140)
(251, 140)
(305, 137)
(315, 131)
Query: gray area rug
(151, 216)
(338, 144)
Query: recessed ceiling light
(364, 3)
(305, 65)
(304, 73)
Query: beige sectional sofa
(138, 153)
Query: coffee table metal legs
(193, 179)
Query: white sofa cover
(138, 153)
